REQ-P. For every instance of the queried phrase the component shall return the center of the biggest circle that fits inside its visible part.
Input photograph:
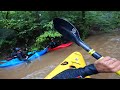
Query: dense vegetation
(34, 29)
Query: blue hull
(16, 61)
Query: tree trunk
(37, 16)
(83, 18)
(7, 13)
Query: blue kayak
(16, 61)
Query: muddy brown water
(106, 44)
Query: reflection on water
(105, 44)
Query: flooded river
(107, 44)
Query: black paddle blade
(67, 30)
(71, 33)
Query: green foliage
(41, 41)
(34, 27)
(48, 25)
(5, 43)
(6, 33)
(1, 42)
(104, 20)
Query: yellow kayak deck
(75, 60)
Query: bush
(42, 40)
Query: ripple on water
(40, 73)
(115, 39)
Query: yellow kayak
(75, 60)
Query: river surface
(107, 44)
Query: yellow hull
(74, 60)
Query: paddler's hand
(107, 65)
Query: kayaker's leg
(19, 56)
(23, 59)
(27, 61)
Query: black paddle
(69, 31)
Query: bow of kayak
(74, 60)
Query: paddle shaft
(89, 50)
